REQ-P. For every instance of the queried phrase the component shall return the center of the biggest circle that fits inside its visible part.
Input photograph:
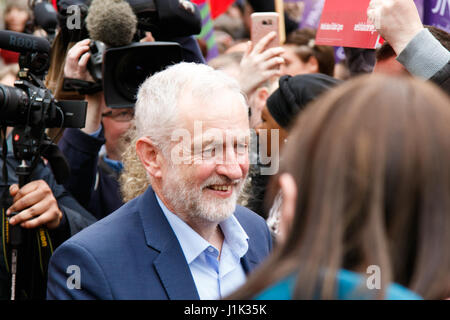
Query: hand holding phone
(260, 63)
(262, 24)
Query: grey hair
(157, 112)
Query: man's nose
(231, 167)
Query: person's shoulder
(280, 290)
(352, 285)
(248, 217)
(108, 230)
(252, 223)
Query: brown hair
(55, 76)
(371, 162)
(306, 48)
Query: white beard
(190, 199)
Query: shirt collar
(192, 244)
(113, 164)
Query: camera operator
(41, 202)
(94, 181)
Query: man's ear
(262, 94)
(149, 155)
(313, 64)
(288, 189)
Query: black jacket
(75, 217)
(92, 182)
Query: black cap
(294, 93)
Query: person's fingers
(249, 49)
(26, 201)
(84, 42)
(75, 53)
(34, 223)
(72, 60)
(272, 52)
(148, 37)
(28, 188)
(47, 208)
(28, 214)
(272, 63)
(271, 73)
(49, 219)
(32, 192)
(82, 63)
(13, 189)
(262, 44)
(81, 45)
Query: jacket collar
(170, 265)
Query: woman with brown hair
(365, 181)
(303, 56)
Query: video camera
(119, 70)
(29, 106)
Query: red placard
(344, 23)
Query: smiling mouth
(222, 188)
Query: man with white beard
(185, 237)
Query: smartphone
(262, 24)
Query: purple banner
(437, 13)
(420, 7)
(312, 13)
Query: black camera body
(126, 68)
(29, 102)
(120, 70)
(30, 107)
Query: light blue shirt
(213, 278)
(113, 164)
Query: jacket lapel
(170, 264)
(249, 261)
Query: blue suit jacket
(134, 254)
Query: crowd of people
(263, 173)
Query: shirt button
(211, 249)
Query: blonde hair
(133, 180)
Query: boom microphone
(112, 22)
(23, 43)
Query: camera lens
(131, 71)
(12, 103)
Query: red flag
(217, 6)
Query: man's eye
(209, 152)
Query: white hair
(157, 111)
